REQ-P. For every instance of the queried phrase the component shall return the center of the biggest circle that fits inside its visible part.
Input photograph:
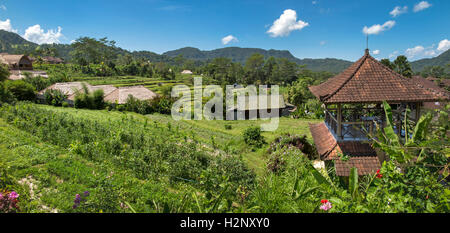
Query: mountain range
(13, 43)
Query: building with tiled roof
(431, 85)
(120, 95)
(353, 101)
(369, 81)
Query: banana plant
(353, 183)
(388, 141)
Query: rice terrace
(122, 121)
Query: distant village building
(52, 60)
(366, 82)
(431, 85)
(186, 72)
(258, 110)
(19, 65)
(442, 83)
(120, 95)
(16, 62)
(111, 94)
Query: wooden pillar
(417, 112)
(339, 121)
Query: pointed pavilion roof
(369, 81)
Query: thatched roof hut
(53, 60)
(120, 95)
(70, 89)
(16, 62)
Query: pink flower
(326, 206)
(13, 195)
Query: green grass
(205, 130)
(58, 172)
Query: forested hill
(13, 43)
(236, 54)
(441, 60)
(240, 55)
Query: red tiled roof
(364, 165)
(361, 155)
(324, 140)
(369, 81)
(430, 85)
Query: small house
(431, 85)
(120, 95)
(16, 62)
(19, 66)
(259, 110)
(52, 60)
(70, 89)
(186, 72)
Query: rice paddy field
(146, 163)
(154, 84)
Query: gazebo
(353, 108)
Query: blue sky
(307, 28)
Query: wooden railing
(331, 121)
(351, 130)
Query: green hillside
(240, 55)
(441, 60)
(11, 42)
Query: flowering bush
(8, 202)
(80, 201)
(326, 205)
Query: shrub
(4, 72)
(98, 99)
(21, 90)
(159, 104)
(88, 100)
(8, 202)
(39, 83)
(5, 95)
(297, 141)
(54, 97)
(162, 105)
(312, 109)
(253, 137)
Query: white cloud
(287, 23)
(421, 6)
(314, 2)
(398, 11)
(444, 45)
(227, 39)
(376, 29)
(422, 52)
(6, 25)
(3, 7)
(392, 55)
(323, 42)
(37, 35)
(414, 52)
(376, 52)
